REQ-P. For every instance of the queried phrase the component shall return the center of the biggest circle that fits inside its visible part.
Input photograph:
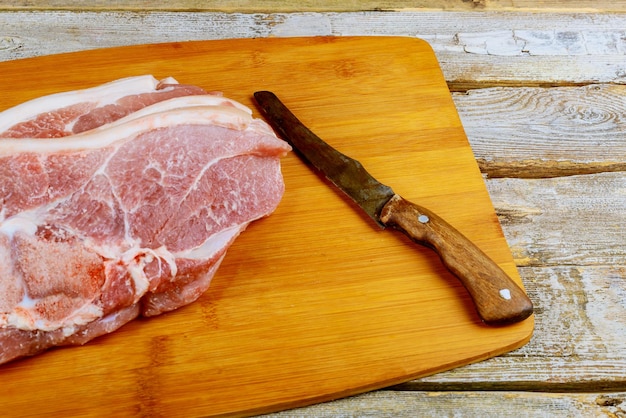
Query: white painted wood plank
(578, 220)
(542, 132)
(473, 47)
(596, 6)
(467, 404)
(578, 343)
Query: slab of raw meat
(68, 113)
(131, 218)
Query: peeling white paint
(543, 42)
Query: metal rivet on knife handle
(498, 299)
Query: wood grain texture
(468, 404)
(546, 132)
(560, 208)
(322, 5)
(306, 305)
(564, 232)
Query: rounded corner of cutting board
(421, 44)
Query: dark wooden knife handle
(498, 299)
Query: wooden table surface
(540, 88)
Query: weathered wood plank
(546, 132)
(481, 49)
(475, 49)
(249, 6)
(577, 221)
(467, 404)
(577, 346)
(321, 5)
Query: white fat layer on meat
(225, 116)
(178, 103)
(136, 259)
(21, 318)
(26, 222)
(106, 94)
(184, 101)
(213, 245)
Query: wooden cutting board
(315, 302)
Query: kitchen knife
(498, 299)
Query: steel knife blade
(497, 298)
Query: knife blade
(497, 298)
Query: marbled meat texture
(129, 218)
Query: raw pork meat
(68, 113)
(130, 218)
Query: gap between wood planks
(541, 169)
(463, 86)
(516, 386)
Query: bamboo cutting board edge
(247, 304)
